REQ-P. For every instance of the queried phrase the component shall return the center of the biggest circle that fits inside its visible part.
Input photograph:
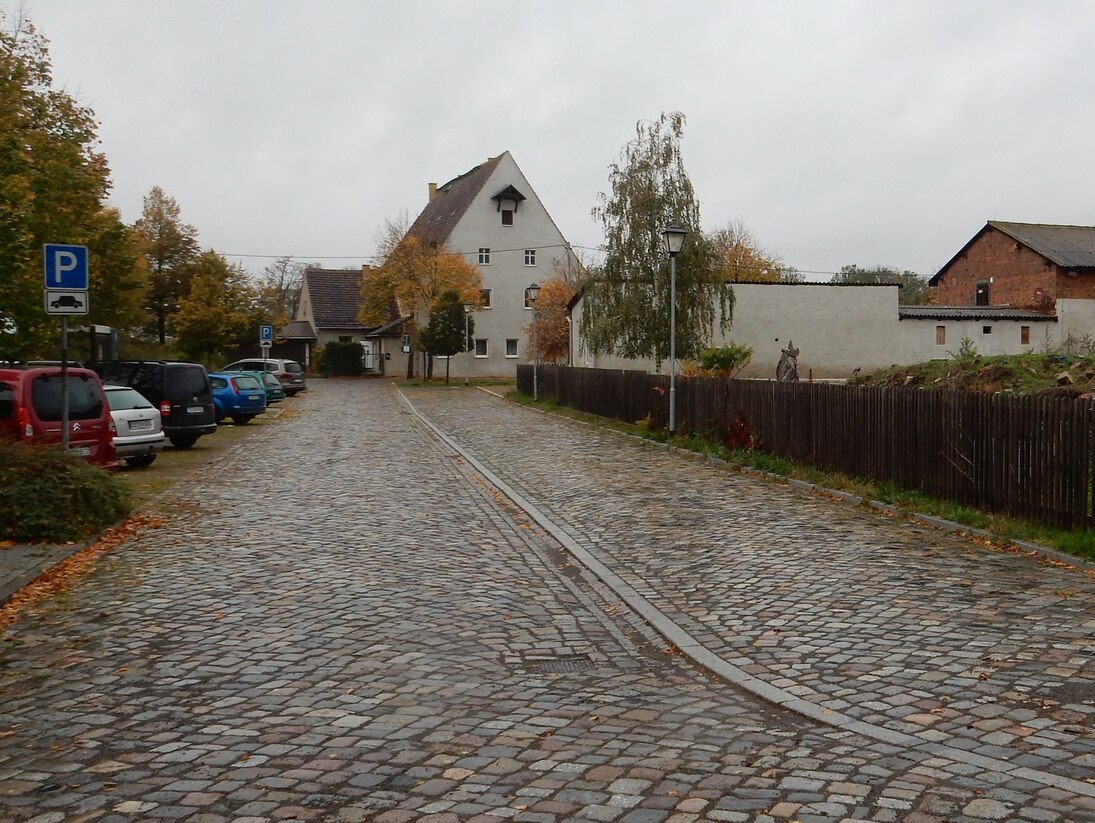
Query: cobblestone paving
(898, 626)
(340, 623)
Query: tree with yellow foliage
(552, 328)
(740, 257)
(416, 273)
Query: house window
(507, 217)
(511, 347)
(940, 335)
(982, 295)
(986, 330)
(484, 298)
(530, 257)
(484, 256)
(480, 347)
(1024, 335)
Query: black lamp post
(673, 237)
(533, 293)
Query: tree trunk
(448, 360)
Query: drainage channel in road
(692, 649)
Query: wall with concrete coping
(840, 328)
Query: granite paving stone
(342, 620)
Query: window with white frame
(511, 347)
(485, 298)
(484, 256)
(530, 257)
(480, 347)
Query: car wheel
(240, 419)
(141, 461)
(183, 442)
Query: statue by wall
(787, 368)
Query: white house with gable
(493, 218)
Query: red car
(30, 411)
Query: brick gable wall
(1017, 273)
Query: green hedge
(343, 360)
(48, 495)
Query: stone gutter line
(838, 495)
(705, 659)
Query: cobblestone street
(344, 621)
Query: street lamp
(532, 292)
(673, 236)
(469, 307)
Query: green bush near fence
(48, 495)
(342, 360)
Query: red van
(30, 411)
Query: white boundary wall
(840, 328)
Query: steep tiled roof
(335, 296)
(448, 205)
(1067, 246)
(298, 329)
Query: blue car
(239, 396)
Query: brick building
(1022, 265)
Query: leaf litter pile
(72, 568)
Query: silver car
(139, 436)
(288, 372)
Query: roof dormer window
(507, 201)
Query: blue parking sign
(65, 267)
(266, 333)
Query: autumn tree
(220, 312)
(415, 273)
(551, 321)
(53, 185)
(170, 247)
(279, 290)
(914, 289)
(627, 305)
(741, 258)
(444, 334)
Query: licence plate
(139, 425)
(252, 397)
(81, 451)
(195, 409)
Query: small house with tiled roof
(493, 218)
(1020, 265)
(330, 301)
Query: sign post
(266, 339)
(66, 286)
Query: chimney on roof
(433, 191)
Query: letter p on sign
(66, 267)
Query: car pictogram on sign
(66, 301)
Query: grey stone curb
(29, 569)
(703, 657)
(949, 526)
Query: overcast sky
(838, 132)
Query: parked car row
(127, 410)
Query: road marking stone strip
(694, 650)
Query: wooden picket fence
(1027, 457)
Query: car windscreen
(85, 399)
(126, 399)
(247, 383)
(185, 382)
(292, 367)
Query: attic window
(508, 200)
